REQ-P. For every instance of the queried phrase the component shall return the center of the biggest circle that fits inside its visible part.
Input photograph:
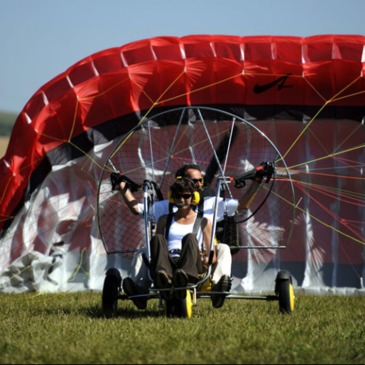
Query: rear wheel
(111, 288)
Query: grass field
(70, 328)
(3, 145)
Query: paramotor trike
(229, 147)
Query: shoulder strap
(198, 222)
(168, 224)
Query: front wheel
(182, 308)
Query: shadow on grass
(123, 311)
(96, 312)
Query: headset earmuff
(195, 198)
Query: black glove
(266, 169)
(116, 178)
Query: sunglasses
(185, 196)
(197, 181)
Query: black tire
(285, 291)
(111, 288)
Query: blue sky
(42, 38)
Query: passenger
(179, 247)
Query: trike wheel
(111, 289)
(285, 291)
(182, 308)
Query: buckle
(175, 252)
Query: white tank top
(177, 232)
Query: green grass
(7, 121)
(70, 328)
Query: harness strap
(168, 225)
(196, 226)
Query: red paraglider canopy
(306, 95)
(267, 76)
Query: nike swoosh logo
(280, 83)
